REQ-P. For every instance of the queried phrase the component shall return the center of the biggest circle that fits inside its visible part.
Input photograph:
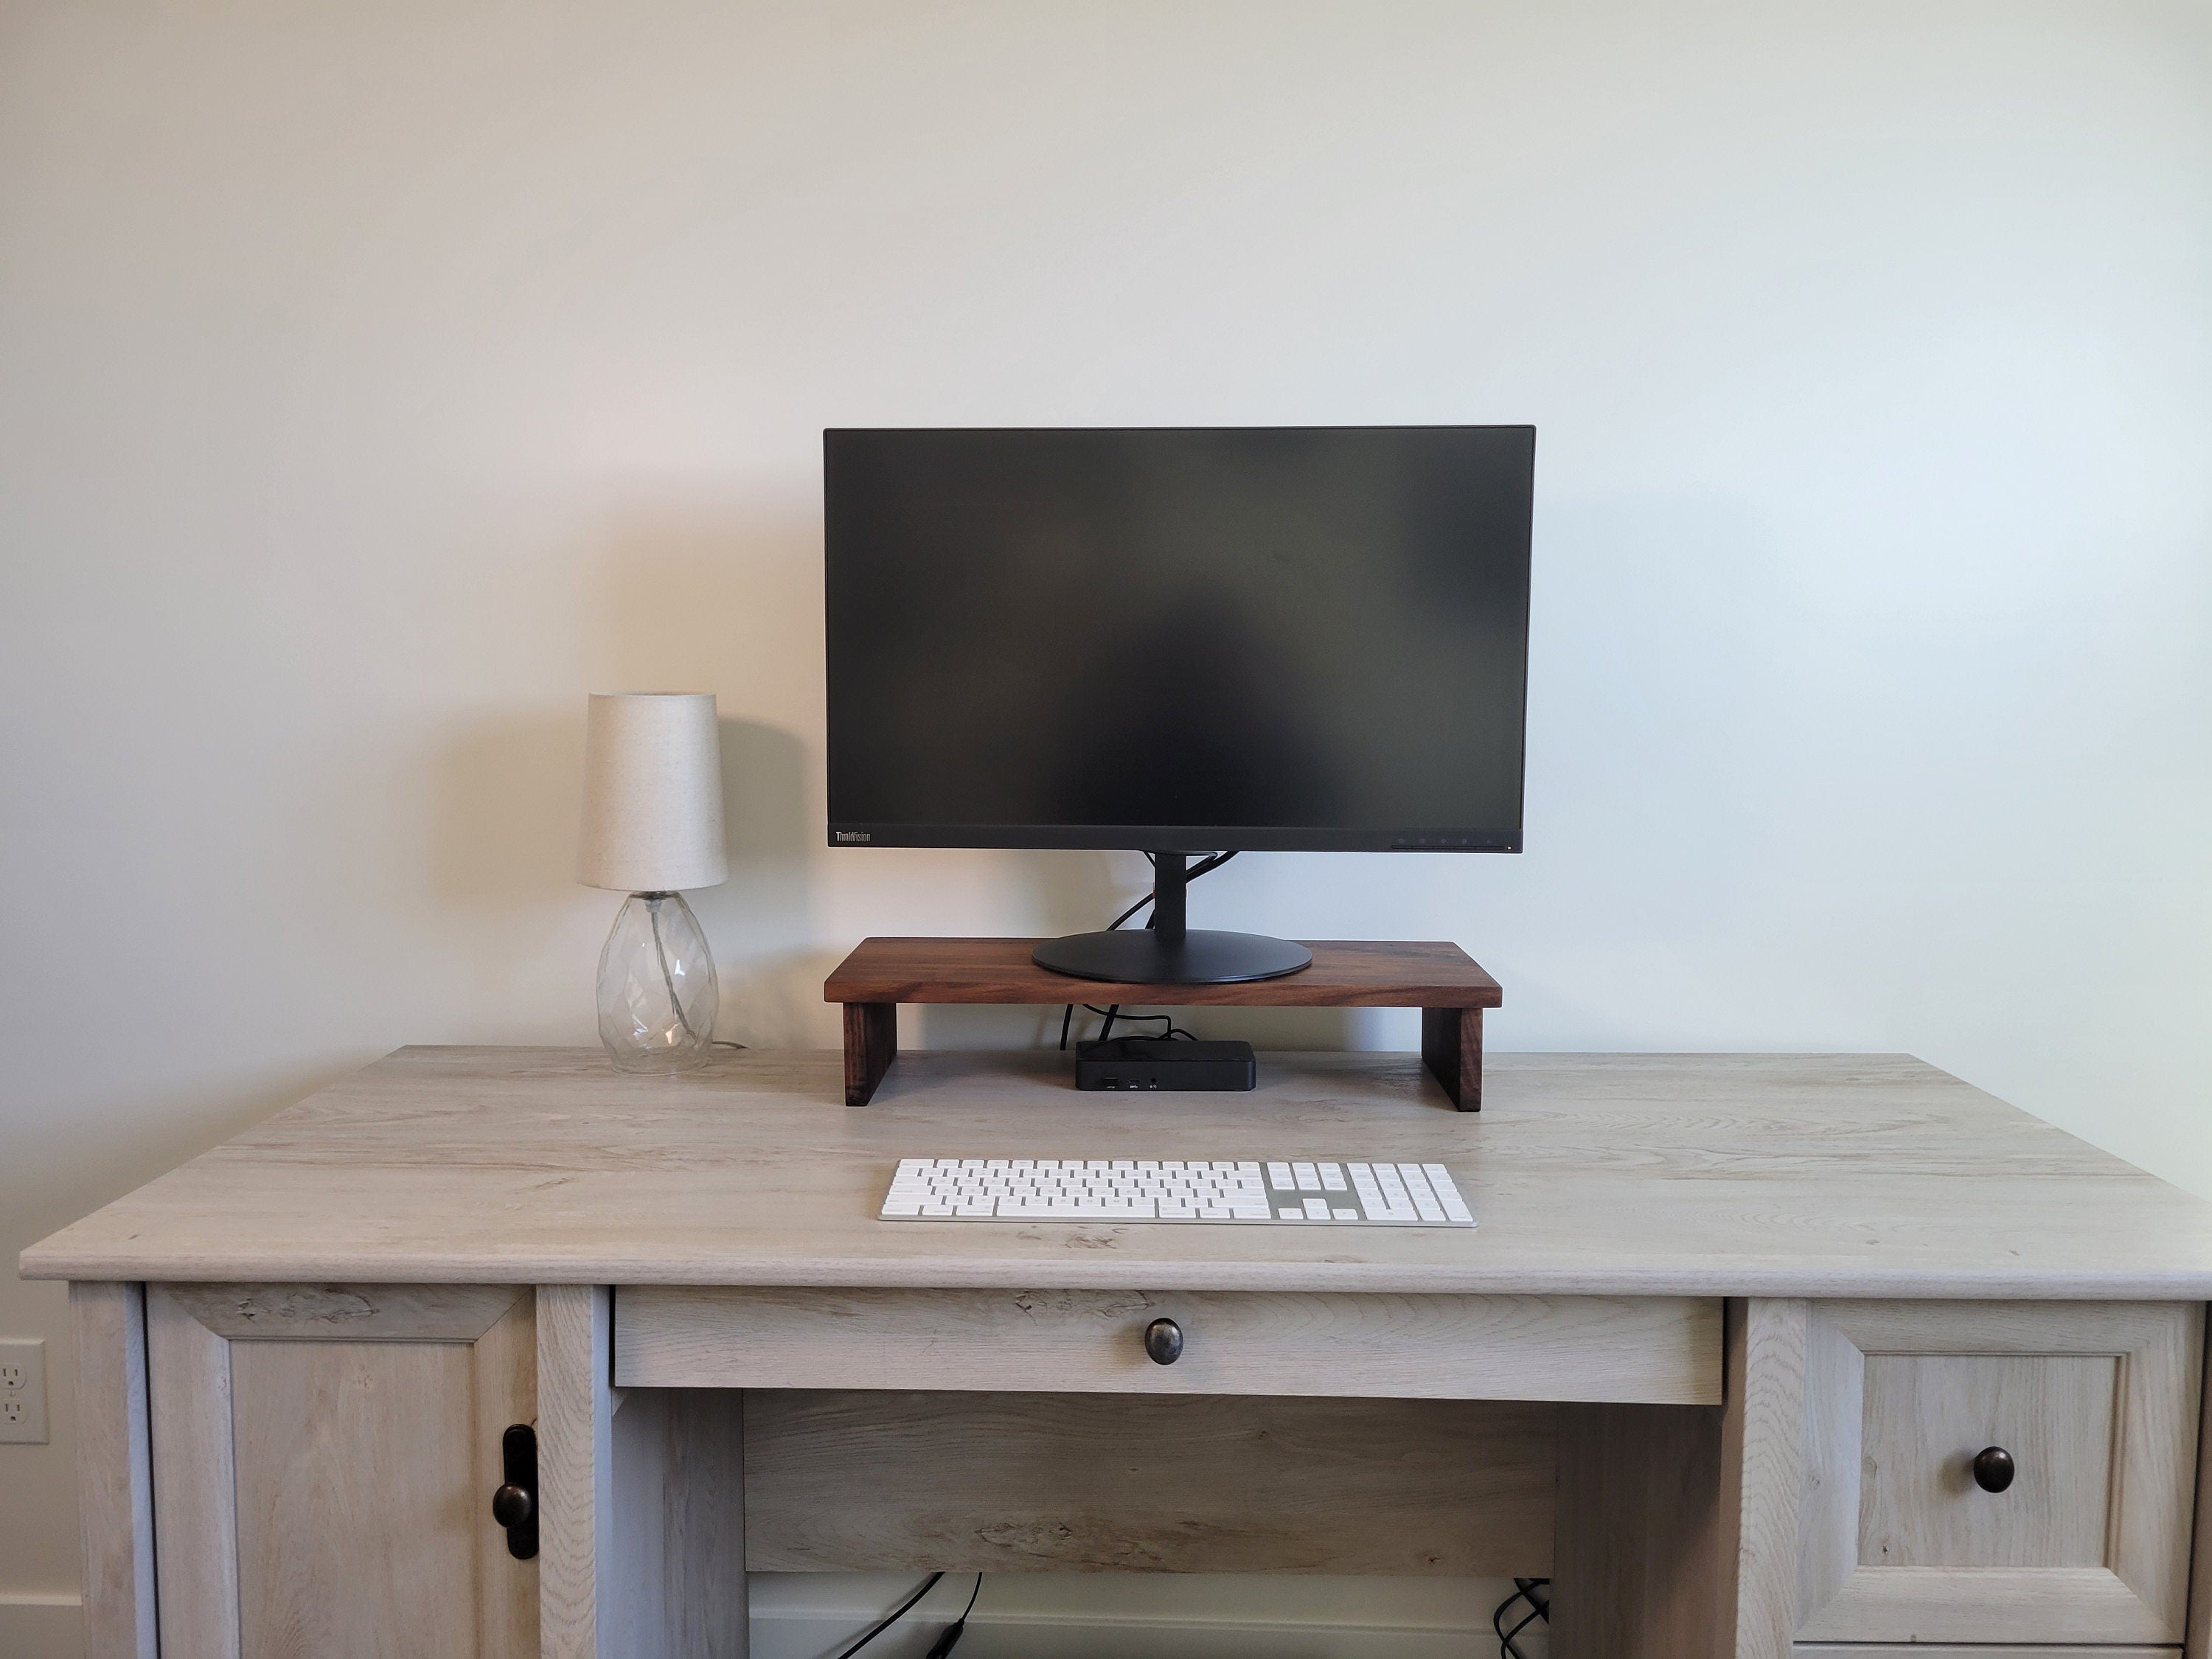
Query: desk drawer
(2095, 1407)
(1656, 1349)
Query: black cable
(1114, 924)
(949, 1638)
(1172, 1028)
(1206, 865)
(1536, 1592)
(892, 1617)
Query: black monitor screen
(1277, 638)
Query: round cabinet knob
(511, 1506)
(1994, 1468)
(1164, 1341)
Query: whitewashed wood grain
(676, 1581)
(346, 1313)
(2099, 1407)
(2196, 1634)
(1592, 1174)
(331, 1495)
(1659, 1349)
(504, 1384)
(357, 1499)
(878, 1482)
(188, 1385)
(1762, 1471)
(114, 1471)
(1637, 1569)
(575, 1485)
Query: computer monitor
(1178, 641)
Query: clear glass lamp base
(658, 997)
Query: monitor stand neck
(1169, 952)
(1170, 896)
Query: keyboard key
(1448, 1194)
(1424, 1201)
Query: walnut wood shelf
(1447, 985)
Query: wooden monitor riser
(1447, 985)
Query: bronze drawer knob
(1994, 1468)
(1164, 1341)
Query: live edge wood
(1447, 985)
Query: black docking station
(1164, 1064)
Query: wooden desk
(1715, 1360)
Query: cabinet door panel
(354, 1470)
(322, 1486)
(2097, 1405)
(2057, 1414)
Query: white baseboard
(51, 1627)
(35, 1626)
(805, 1636)
(1111, 1615)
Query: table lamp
(652, 825)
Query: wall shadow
(704, 598)
(761, 921)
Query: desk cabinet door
(2079, 1532)
(323, 1459)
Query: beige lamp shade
(652, 793)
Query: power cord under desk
(947, 1639)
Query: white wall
(374, 381)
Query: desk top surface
(1704, 1175)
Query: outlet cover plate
(22, 1391)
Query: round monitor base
(1138, 955)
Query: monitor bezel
(1192, 838)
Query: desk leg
(1675, 1535)
(1451, 1043)
(641, 1517)
(870, 1045)
(1636, 1571)
(115, 1493)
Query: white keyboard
(1337, 1191)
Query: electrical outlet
(22, 1391)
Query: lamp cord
(660, 950)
